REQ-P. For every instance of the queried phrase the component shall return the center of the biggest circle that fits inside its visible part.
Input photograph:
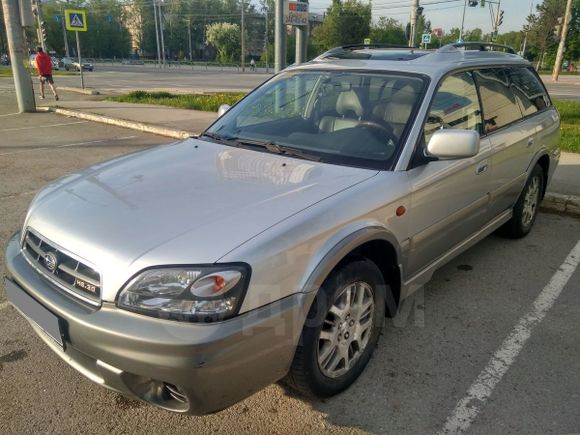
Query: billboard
(296, 13)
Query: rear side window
(499, 103)
(527, 89)
(455, 105)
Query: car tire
(526, 208)
(335, 331)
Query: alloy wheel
(346, 329)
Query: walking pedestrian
(44, 67)
(252, 64)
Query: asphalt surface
(426, 361)
(566, 88)
(124, 78)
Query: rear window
(499, 103)
(528, 90)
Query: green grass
(569, 111)
(570, 129)
(205, 102)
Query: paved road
(426, 361)
(124, 78)
(566, 88)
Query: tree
(540, 27)
(573, 39)
(388, 31)
(346, 22)
(451, 37)
(225, 37)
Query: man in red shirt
(44, 67)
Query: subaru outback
(274, 245)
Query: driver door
(449, 198)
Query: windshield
(351, 118)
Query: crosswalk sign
(76, 20)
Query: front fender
(337, 247)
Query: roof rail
(481, 46)
(351, 47)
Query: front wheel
(341, 330)
(526, 209)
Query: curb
(134, 125)
(569, 204)
(79, 90)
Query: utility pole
(40, 23)
(560, 55)
(497, 18)
(279, 38)
(66, 49)
(300, 38)
(157, 33)
(16, 47)
(526, 35)
(462, 22)
(243, 40)
(413, 28)
(161, 32)
(267, 41)
(189, 38)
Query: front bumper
(213, 365)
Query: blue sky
(447, 13)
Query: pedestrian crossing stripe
(76, 20)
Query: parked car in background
(71, 64)
(273, 245)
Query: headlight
(194, 294)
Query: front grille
(62, 268)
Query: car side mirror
(453, 144)
(223, 109)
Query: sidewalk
(168, 118)
(564, 191)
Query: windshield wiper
(220, 139)
(280, 149)
(268, 146)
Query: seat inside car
(396, 110)
(350, 109)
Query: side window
(455, 105)
(499, 102)
(528, 91)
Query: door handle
(482, 167)
(530, 141)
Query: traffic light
(472, 3)
(500, 18)
(42, 30)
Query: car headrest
(405, 95)
(348, 104)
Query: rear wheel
(526, 209)
(341, 331)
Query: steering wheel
(379, 128)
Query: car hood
(185, 203)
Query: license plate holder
(50, 323)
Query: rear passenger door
(511, 136)
(449, 197)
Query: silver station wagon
(274, 245)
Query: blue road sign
(76, 20)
